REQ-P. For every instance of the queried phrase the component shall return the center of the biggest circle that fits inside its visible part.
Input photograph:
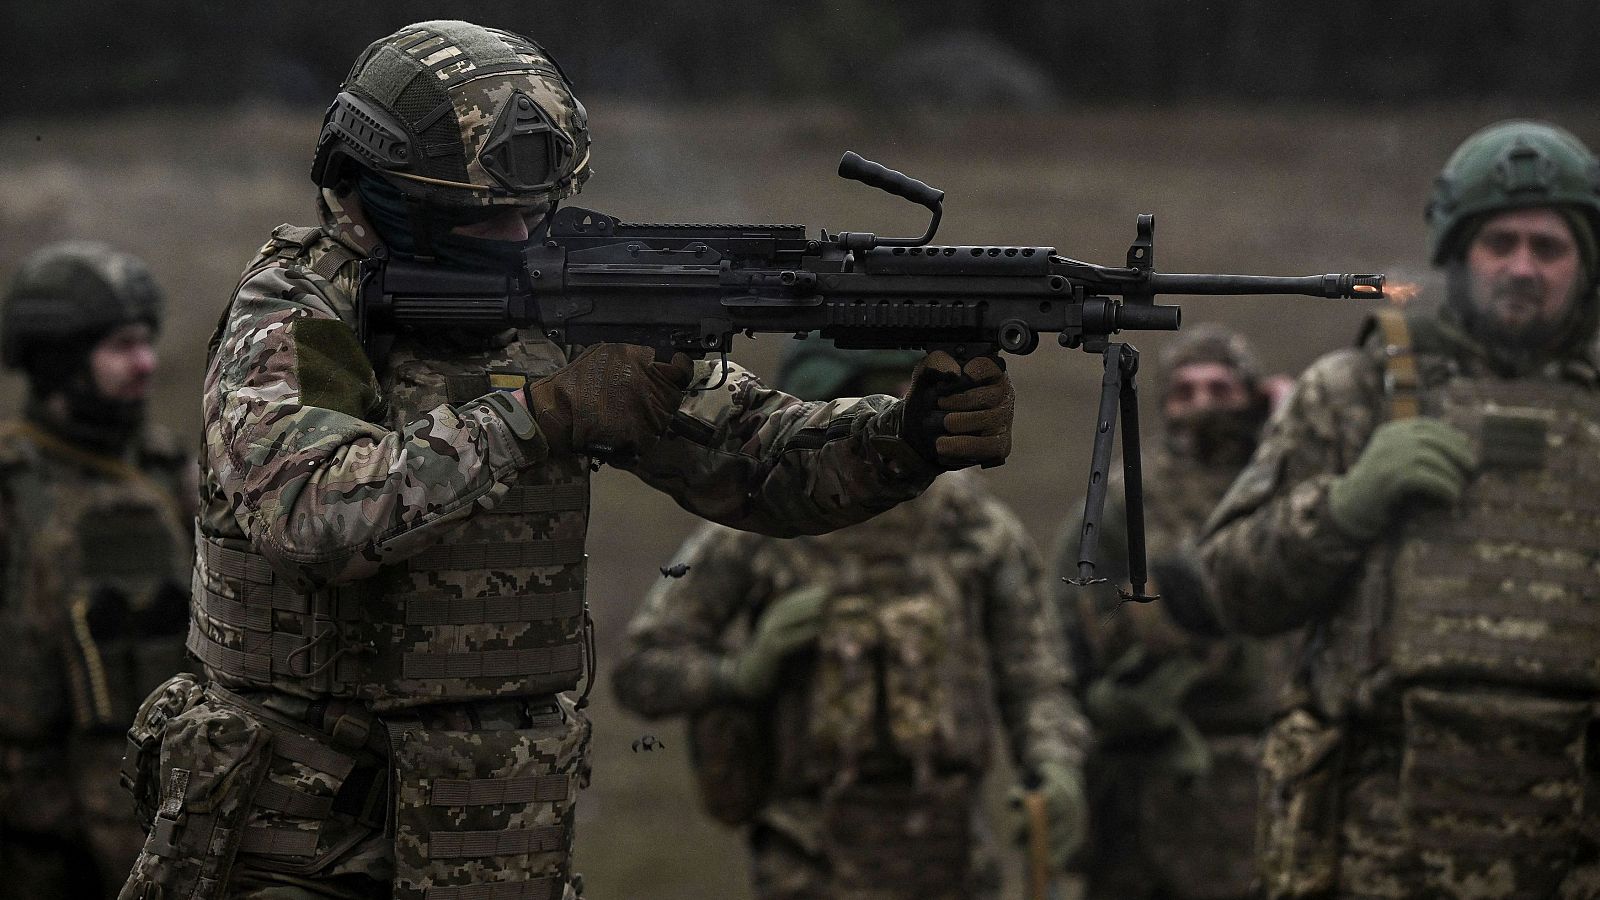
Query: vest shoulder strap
(1401, 382)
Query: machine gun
(590, 278)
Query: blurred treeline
(70, 56)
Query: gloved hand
(1422, 458)
(1066, 811)
(611, 399)
(1135, 698)
(959, 415)
(790, 624)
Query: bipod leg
(1094, 503)
(1133, 477)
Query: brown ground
(1279, 192)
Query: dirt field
(1279, 192)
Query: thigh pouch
(213, 757)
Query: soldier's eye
(1550, 249)
(1499, 243)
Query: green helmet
(458, 115)
(812, 368)
(1510, 165)
(67, 295)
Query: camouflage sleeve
(324, 492)
(1272, 557)
(757, 459)
(673, 650)
(1033, 683)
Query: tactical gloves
(1140, 701)
(959, 415)
(1422, 458)
(612, 400)
(1066, 811)
(789, 625)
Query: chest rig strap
(1401, 383)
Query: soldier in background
(842, 689)
(1426, 504)
(95, 510)
(389, 584)
(1177, 718)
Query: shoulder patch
(333, 370)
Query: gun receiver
(590, 278)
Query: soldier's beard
(83, 416)
(1217, 437)
(1495, 316)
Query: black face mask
(1217, 436)
(390, 213)
(90, 420)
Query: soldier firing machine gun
(691, 287)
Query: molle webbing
(1501, 588)
(431, 664)
(499, 555)
(487, 791)
(358, 793)
(544, 888)
(522, 499)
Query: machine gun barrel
(1334, 286)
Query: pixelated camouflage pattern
(533, 839)
(1500, 589)
(1422, 802)
(1156, 832)
(955, 548)
(91, 614)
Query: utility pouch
(731, 750)
(918, 839)
(1496, 776)
(1297, 833)
(212, 761)
(488, 813)
(141, 758)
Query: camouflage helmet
(1209, 342)
(812, 368)
(1510, 165)
(458, 116)
(71, 293)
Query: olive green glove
(1408, 458)
(789, 625)
(1066, 809)
(611, 399)
(958, 415)
(1137, 697)
(1142, 703)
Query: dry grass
(1287, 191)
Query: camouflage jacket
(1274, 560)
(298, 464)
(93, 591)
(1003, 641)
(1236, 691)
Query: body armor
(97, 550)
(496, 611)
(894, 689)
(480, 799)
(1504, 588)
